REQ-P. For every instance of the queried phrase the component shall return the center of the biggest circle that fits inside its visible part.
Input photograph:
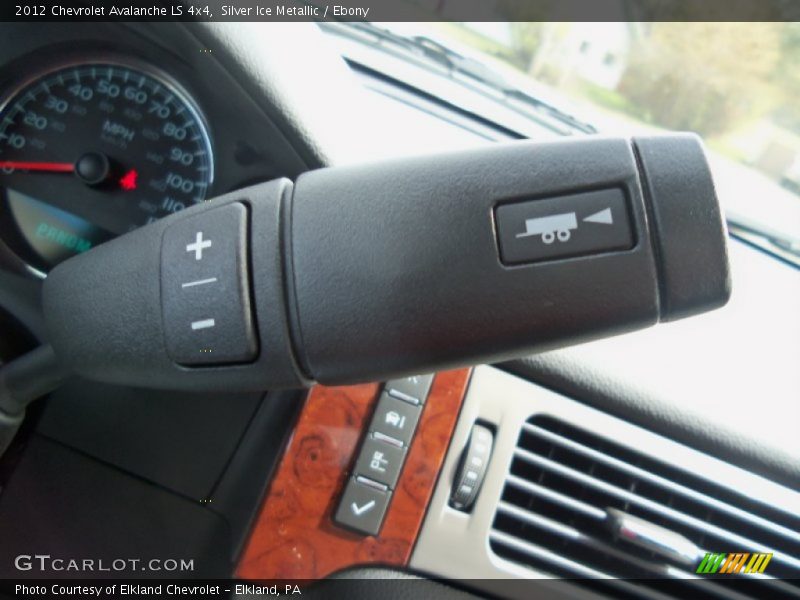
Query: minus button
(204, 324)
(199, 282)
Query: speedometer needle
(52, 167)
(93, 168)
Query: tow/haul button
(562, 227)
(205, 288)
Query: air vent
(552, 517)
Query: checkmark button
(363, 507)
(360, 510)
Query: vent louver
(552, 518)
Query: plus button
(198, 246)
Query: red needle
(53, 167)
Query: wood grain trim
(294, 536)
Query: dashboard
(91, 147)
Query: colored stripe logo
(733, 563)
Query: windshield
(735, 84)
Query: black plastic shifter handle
(369, 272)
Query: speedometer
(93, 150)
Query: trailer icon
(551, 227)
